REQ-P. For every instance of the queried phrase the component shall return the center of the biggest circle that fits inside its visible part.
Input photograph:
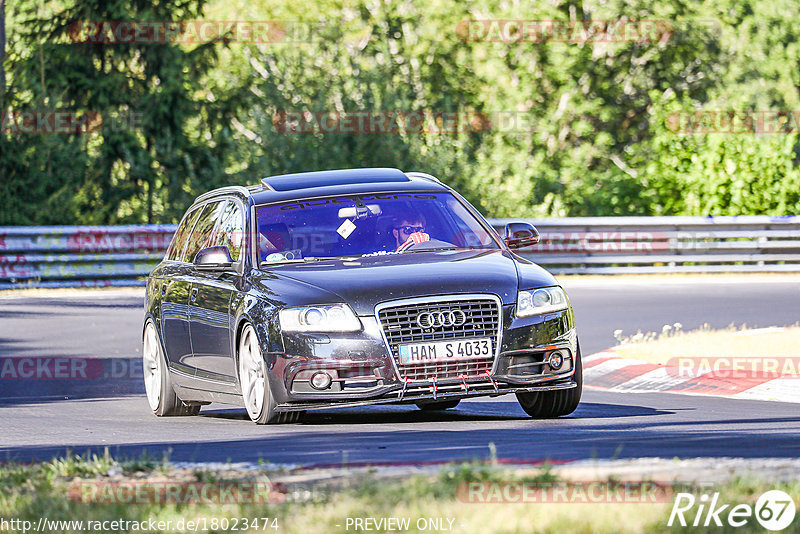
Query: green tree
(161, 140)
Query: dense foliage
(563, 127)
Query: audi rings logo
(443, 318)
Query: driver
(409, 230)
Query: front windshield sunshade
(376, 224)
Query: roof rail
(424, 176)
(222, 190)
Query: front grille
(447, 370)
(399, 323)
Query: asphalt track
(34, 425)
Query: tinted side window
(203, 233)
(230, 231)
(178, 242)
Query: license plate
(436, 351)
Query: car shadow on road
(599, 410)
(685, 428)
(347, 445)
(470, 411)
(375, 415)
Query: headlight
(334, 318)
(539, 301)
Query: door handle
(193, 296)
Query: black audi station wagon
(348, 288)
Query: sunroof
(308, 180)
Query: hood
(364, 282)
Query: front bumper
(364, 371)
(477, 390)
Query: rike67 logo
(774, 510)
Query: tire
(157, 381)
(437, 406)
(256, 394)
(551, 404)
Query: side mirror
(520, 234)
(213, 259)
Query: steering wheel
(432, 243)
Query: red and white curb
(605, 370)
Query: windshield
(389, 223)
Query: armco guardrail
(615, 245)
(65, 256)
(68, 256)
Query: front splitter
(294, 407)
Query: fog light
(555, 361)
(321, 380)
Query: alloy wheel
(151, 366)
(252, 373)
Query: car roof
(311, 180)
(331, 182)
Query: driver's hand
(413, 239)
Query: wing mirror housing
(520, 234)
(214, 259)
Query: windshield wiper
(435, 249)
(347, 257)
(310, 259)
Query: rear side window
(230, 231)
(203, 232)
(178, 242)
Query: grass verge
(730, 342)
(433, 502)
